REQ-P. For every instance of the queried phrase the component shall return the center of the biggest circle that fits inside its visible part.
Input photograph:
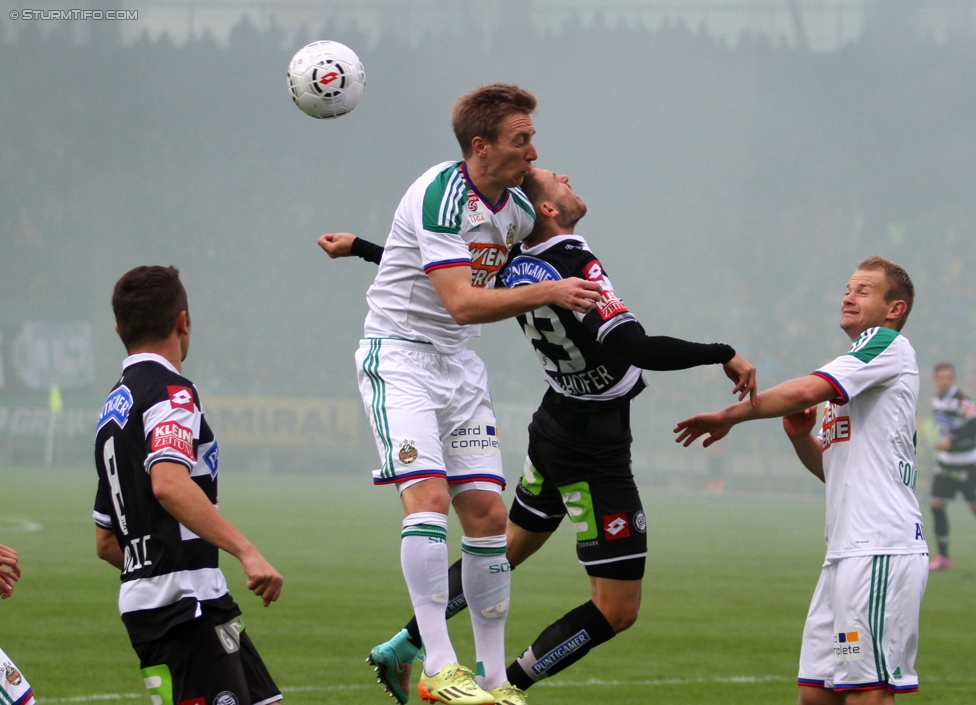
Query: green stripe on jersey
(872, 343)
(522, 201)
(444, 201)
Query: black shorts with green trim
(196, 663)
(584, 472)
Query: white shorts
(14, 688)
(862, 629)
(431, 415)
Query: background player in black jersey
(955, 415)
(579, 438)
(156, 516)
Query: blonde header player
(14, 688)
(861, 635)
(426, 395)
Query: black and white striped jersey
(955, 415)
(153, 415)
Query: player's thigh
(400, 390)
(216, 664)
(967, 485)
(471, 448)
(945, 485)
(862, 632)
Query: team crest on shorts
(11, 673)
(408, 452)
(226, 698)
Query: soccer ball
(326, 79)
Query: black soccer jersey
(955, 415)
(170, 575)
(569, 344)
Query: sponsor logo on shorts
(475, 437)
(11, 673)
(616, 526)
(180, 397)
(116, 407)
(847, 647)
(408, 452)
(640, 522)
(172, 435)
(226, 698)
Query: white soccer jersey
(868, 436)
(442, 221)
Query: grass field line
(14, 525)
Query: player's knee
(620, 614)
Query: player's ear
(479, 146)
(897, 309)
(183, 322)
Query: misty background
(738, 158)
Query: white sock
(423, 558)
(486, 577)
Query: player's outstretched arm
(9, 571)
(183, 498)
(470, 304)
(784, 399)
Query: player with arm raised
(579, 440)
(156, 516)
(861, 635)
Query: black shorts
(202, 664)
(950, 479)
(584, 472)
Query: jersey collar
(148, 357)
(491, 207)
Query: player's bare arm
(469, 304)
(107, 547)
(9, 571)
(743, 374)
(183, 498)
(337, 244)
(809, 449)
(784, 399)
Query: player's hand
(9, 571)
(801, 423)
(262, 579)
(714, 424)
(337, 244)
(743, 373)
(577, 294)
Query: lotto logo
(615, 526)
(593, 271)
(328, 78)
(180, 397)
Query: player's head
(493, 124)
(557, 207)
(945, 377)
(879, 294)
(148, 303)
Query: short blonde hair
(480, 112)
(900, 286)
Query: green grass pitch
(725, 596)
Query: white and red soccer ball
(326, 79)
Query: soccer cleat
(508, 694)
(940, 563)
(392, 662)
(453, 685)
